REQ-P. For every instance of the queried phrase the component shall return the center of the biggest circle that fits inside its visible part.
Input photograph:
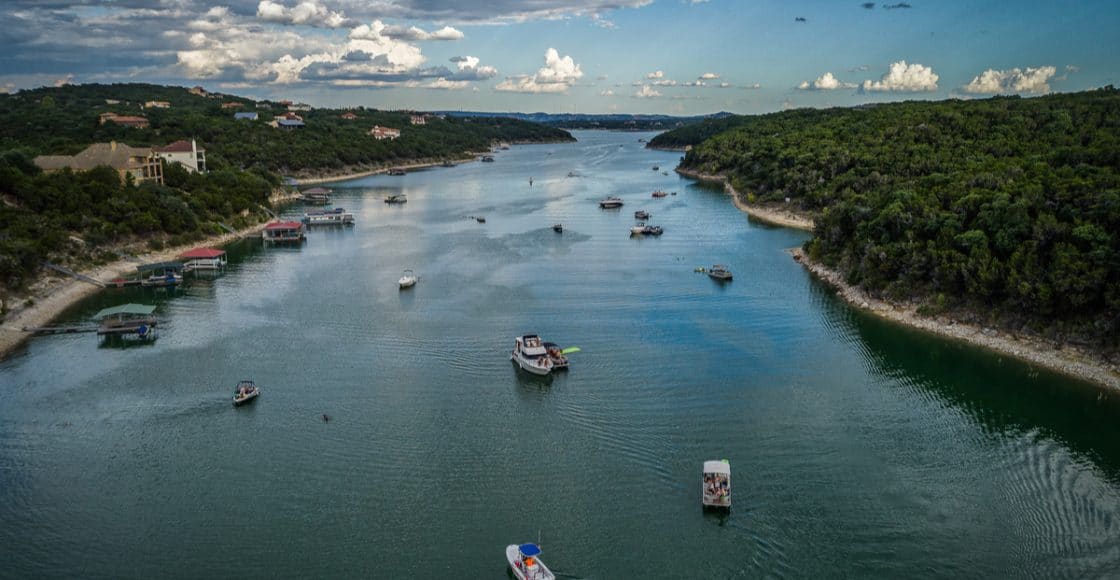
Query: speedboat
(531, 355)
(408, 279)
(246, 391)
(659, 193)
(655, 168)
(641, 215)
(715, 486)
(396, 198)
(524, 560)
(719, 272)
(487, 158)
(556, 355)
(652, 230)
(638, 229)
(558, 228)
(397, 171)
(610, 202)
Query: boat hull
(529, 366)
(238, 401)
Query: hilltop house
(126, 120)
(185, 153)
(232, 105)
(157, 105)
(349, 116)
(418, 120)
(139, 162)
(199, 91)
(299, 107)
(380, 133)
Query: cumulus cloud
(446, 85)
(646, 92)
(415, 33)
(557, 74)
(825, 82)
(307, 12)
(1029, 80)
(468, 69)
(904, 77)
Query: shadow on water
(530, 383)
(1005, 396)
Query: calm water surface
(859, 448)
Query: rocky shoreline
(773, 214)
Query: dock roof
(284, 226)
(201, 253)
(126, 309)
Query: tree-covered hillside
(64, 120)
(1008, 207)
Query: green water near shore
(859, 448)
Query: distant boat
(316, 195)
(329, 217)
(160, 274)
(558, 228)
(480, 219)
(531, 355)
(719, 272)
(244, 392)
(396, 198)
(659, 193)
(641, 215)
(487, 158)
(408, 279)
(525, 562)
(610, 202)
(447, 164)
(652, 231)
(397, 171)
(638, 229)
(715, 486)
(656, 168)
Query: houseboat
(284, 233)
(715, 485)
(524, 560)
(128, 321)
(329, 217)
(610, 202)
(530, 354)
(160, 274)
(203, 259)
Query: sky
(679, 57)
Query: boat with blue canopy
(524, 560)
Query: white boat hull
(538, 571)
(530, 366)
(407, 282)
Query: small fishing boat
(558, 228)
(246, 391)
(664, 173)
(719, 272)
(659, 193)
(396, 198)
(525, 562)
(656, 168)
(610, 202)
(531, 355)
(408, 279)
(641, 215)
(480, 219)
(487, 158)
(715, 485)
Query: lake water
(858, 448)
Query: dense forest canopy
(1007, 206)
(78, 218)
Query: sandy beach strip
(64, 292)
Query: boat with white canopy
(715, 486)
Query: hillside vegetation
(82, 218)
(1007, 209)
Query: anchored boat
(244, 392)
(329, 217)
(610, 202)
(408, 279)
(719, 272)
(525, 561)
(530, 354)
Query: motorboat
(719, 272)
(610, 202)
(558, 228)
(656, 168)
(556, 355)
(447, 164)
(531, 355)
(715, 485)
(396, 198)
(329, 217)
(487, 158)
(652, 231)
(480, 219)
(397, 171)
(659, 193)
(524, 560)
(641, 215)
(408, 279)
(160, 274)
(246, 391)
(638, 229)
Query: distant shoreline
(351, 174)
(1064, 359)
(52, 300)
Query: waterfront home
(203, 259)
(283, 232)
(380, 133)
(246, 116)
(185, 153)
(125, 120)
(141, 163)
(157, 105)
